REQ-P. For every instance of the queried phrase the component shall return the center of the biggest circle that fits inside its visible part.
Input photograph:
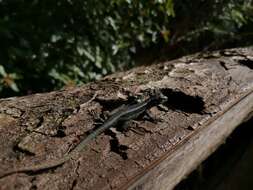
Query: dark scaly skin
(125, 114)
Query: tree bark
(209, 95)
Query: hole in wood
(178, 100)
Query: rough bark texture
(209, 95)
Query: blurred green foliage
(212, 24)
(46, 45)
(49, 44)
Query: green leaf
(170, 8)
(2, 71)
(238, 17)
(14, 87)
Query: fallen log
(209, 95)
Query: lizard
(124, 114)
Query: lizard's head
(158, 97)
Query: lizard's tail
(36, 168)
(54, 163)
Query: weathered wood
(209, 95)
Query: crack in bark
(17, 148)
(34, 186)
(73, 185)
(116, 147)
(223, 64)
(246, 62)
